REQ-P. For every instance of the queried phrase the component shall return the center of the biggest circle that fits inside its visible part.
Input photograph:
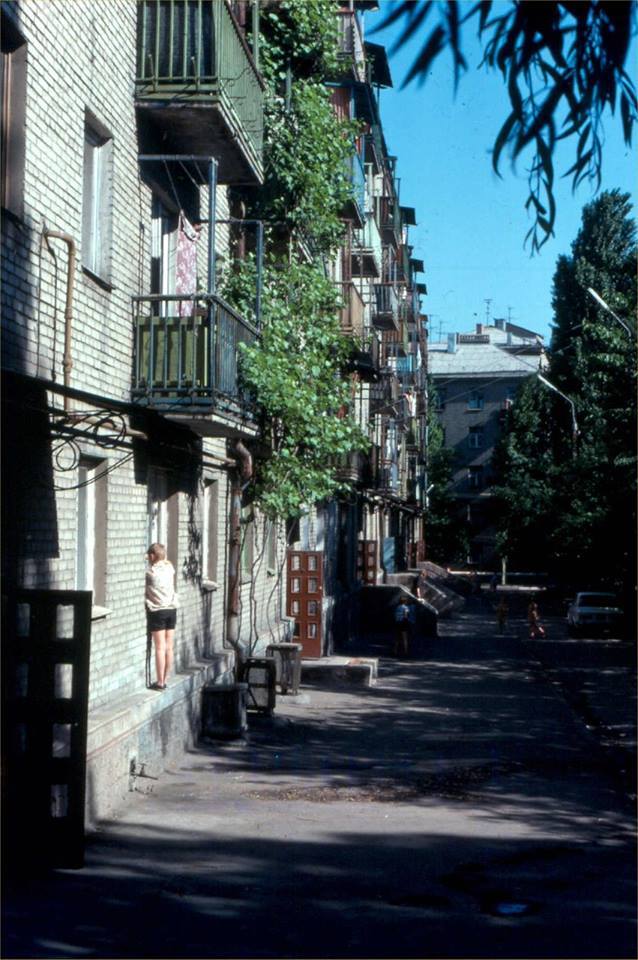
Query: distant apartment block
(477, 376)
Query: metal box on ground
(259, 673)
(224, 711)
(287, 657)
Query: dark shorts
(161, 619)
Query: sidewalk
(455, 809)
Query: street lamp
(605, 306)
(569, 401)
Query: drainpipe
(240, 477)
(68, 309)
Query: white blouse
(160, 586)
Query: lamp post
(569, 401)
(605, 306)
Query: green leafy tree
(593, 361)
(563, 64)
(568, 503)
(295, 373)
(524, 465)
(446, 532)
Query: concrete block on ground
(339, 671)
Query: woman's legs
(159, 642)
(168, 654)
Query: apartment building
(125, 419)
(476, 376)
(382, 315)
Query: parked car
(596, 614)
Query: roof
(493, 351)
(378, 59)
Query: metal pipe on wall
(239, 478)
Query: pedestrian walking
(533, 618)
(502, 613)
(404, 620)
(494, 583)
(161, 611)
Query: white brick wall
(81, 56)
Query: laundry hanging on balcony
(186, 264)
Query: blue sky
(471, 225)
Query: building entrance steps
(456, 808)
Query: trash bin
(259, 674)
(224, 711)
(287, 657)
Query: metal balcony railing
(366, 250)
(186, 350)
(194, 50)
(386, 300)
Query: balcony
(385, 307)
(351, 50)
(391, 222)
(366, 250)
(186, 357)
(353, 310)
(355, 208)
(197, 85)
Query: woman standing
(161, 610)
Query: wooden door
(367, 561)
(46, 638)
(305, 599)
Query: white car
(594, 613)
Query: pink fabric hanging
(186, 266)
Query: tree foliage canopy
(578, 497)
(295, 372)
(563, 64)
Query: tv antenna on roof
(488, 303)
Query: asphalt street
(462, 807)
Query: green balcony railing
(192, 359)
(195, 50)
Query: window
(247, 543)
(209, 530)
(475, 477)
(163, 515)
(163, 253)
(271, 546)
(90, 554)
(475, 401)
(12, 139)
(97, 200)
(475, 437)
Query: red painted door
(367, 561)
(305, 599)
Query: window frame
(91, 529)
(210, 520)
(97, 201)
(13, 80)
(476, 400)
(476, 437)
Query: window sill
(100, 613)
(209, 586)
(99, 281)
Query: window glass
(475, 400)
(97, 200)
